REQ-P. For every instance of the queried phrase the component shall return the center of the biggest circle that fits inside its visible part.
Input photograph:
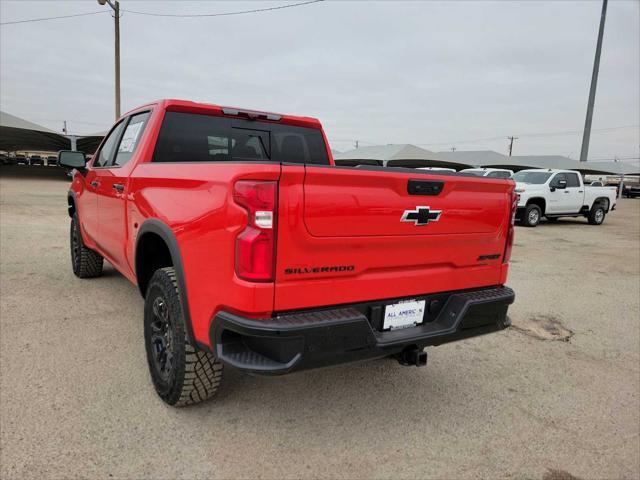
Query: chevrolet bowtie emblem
(421, 215)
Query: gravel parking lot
(76, 399)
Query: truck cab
(552, 194)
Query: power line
(152, 14)
(242, 12)
(52, 18)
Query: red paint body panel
(327, 216)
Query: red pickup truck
(252, 249)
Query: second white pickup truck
(560, 193)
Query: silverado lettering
(303, 270)
(203, 207)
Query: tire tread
(90, 262)
(201, 376)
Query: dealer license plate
(403, 314)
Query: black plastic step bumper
(310, 339)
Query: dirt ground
(76, 400)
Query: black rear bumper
(316, 338)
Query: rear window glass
(188, 137)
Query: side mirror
(561, 184)
(71, 159)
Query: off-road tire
(527, 217)
(193, 375)
(596, 215)
(85, 262)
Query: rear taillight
(255, 245)
(511, 228)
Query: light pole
(115, 5)
(584, 152)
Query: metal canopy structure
(18, 134)
(521, 162)
(403, 155)
(476, 158)
(90, 143)
(489, 158)
(616, 168)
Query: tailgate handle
(424, 187)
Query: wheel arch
(71, 202)
(604, 201)
(156, 245)
(540, 202)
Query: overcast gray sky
(439, 74)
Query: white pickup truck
(560, 193)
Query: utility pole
(584, 152)
(512, 138)
(356, 144)
(64, 128)
(453, 149)
(115, 6)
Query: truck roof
(221, 110)
(486, 169)
(551, 170)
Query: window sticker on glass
(130, 137)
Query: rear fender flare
(161, 229)
(604, 201)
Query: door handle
(580, 191)
(94, 184)
(567, 191)
(118, 187)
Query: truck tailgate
(366, 234)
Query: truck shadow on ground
(354, 392)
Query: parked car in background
(4, 159)
(12, 160)
(52, 160)
(21, 159)
(560, 193)
(36, 160)
(632, 191)
(489, 172)
(437, 169)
